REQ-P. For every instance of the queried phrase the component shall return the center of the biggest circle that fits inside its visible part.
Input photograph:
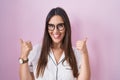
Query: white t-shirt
(53, 71)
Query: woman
(55, 59)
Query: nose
(56, 30)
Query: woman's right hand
(26, 47)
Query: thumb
(85, 39)
(21, 41)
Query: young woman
(56, 59)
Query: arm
(85, 67)
(24, 72)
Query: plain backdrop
(99, 20)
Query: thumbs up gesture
(81, 45)
(26, 47)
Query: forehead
(56, 19)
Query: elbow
(86, 76)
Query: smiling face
(56, 29)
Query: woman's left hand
(81, 45)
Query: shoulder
(36, 48)
(35, 52)
(78, 57)
(34, 56)
(77, 54)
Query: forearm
(25, 73)
(85, 67)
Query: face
(56, 29)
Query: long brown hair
(66, 44)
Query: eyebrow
(53, 24)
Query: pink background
(99, 20)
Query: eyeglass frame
(57, 26)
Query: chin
(57, 41)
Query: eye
(61, 26)
(50, 27)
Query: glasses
(59, 27)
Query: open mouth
(56, 36)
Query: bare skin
(85, 67)
(57, 36)
(24, 72)
(26, 47)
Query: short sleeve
(78, 58)
(33, 57)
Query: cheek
(63, 33)
(49, 32)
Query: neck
(56, 45)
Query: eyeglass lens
(59, 26)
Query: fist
(81, 45)
(26, 47)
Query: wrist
(84, 52)
(24, 57)
(24, 54)
(22, 61)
